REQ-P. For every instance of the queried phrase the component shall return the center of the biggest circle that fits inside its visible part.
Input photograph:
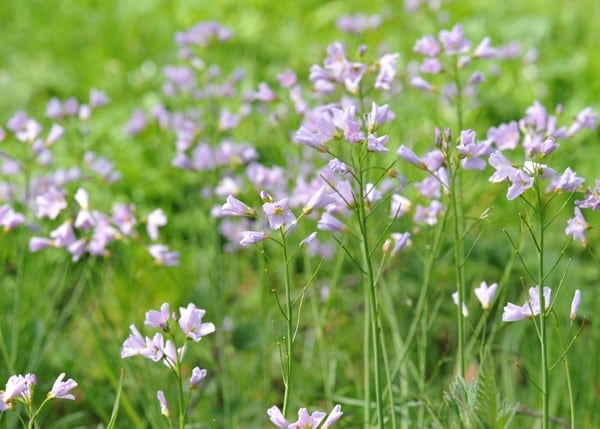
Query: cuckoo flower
(532, 307)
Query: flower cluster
(21, 388)
(158, 349)
(532, 307)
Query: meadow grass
(59, 316)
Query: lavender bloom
(50, 204)
(408, 155)
(190, 321)
(429, 187)
(15, 386)
(379, 115)
(584, 119)
(387, 71)
(504, 169)
(38, 243)
(454, 41)
(471, 151)
(308, 421)
(228, 120)
(328, 222)
(63, 236)
(197, 376)
(123, 217)
(427, 45)
(154, 348)
(566, 182)
(505, 136)
(399, 206)
(309, 239)
(287, 79)
(155, 220)
(338, 166)
(398, 242)
(576, 227)
(56, 132)
(277, 418)
(163, 256)
(521, 181)
(279, 214)
(484, 50)
(162, 401)
(430, 214)
(61, 389)
(532, 307)
(575, 304)
(158, 319)
(377, 144)
(357, 24)
(10, 219)
(136, 124)
(485, 294)
(264, 93)
(54, 109)
(134, 344)
(431, 66)
(592, 198)
(98, 98)
(252, 237)
(419, 83)
(318, 200)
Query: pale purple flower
(56, 132)
(465, 310)
(155, 220)
(197, 376)
(163, 256)
(408, 155)
(84, 219)
(387, 71)
(287, 79)
(430, 187)
(338, 166)
(428, 46)
(378, 116)
(476, 78)
(279, 214)
(521, 181)
(309, 239)
(64, 235)
(575, 304)
(576, 227)
(252, 237)
(485, 294)
(399, 242)
(592, 198)
(472, 151)
(158, 319)
(454, 41)
(172, 355)
(308, 421)
(431, 66)
(190, 321)
(54, 108)
(15, 386)
(154, 348)
(228, 120)
(566, 182)
(485, 50)
(61, 388)
(277, 418)
(513, 313)
(98, 98)
(399, 205)
(318, 200)
(162, 401)
(587, 118)
(50, 204)
(9, 218)
(419, 83)
(134, 344)
(505, 136)
(357, 24)
(328, 222)
(504, 168)
(429, 214)
(124, 218)
(38, 243)
(377, 144)
(264, 93)
(136, 124)
(333, 416)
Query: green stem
(459, 252)
(542, 316)
(373, 305)
(289, 324)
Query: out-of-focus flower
(575, 304)
(162, 401)
(465, 310)
(163, 256)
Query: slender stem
(373, 304)
(459, 251)
(542, 316)
(289, 324)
